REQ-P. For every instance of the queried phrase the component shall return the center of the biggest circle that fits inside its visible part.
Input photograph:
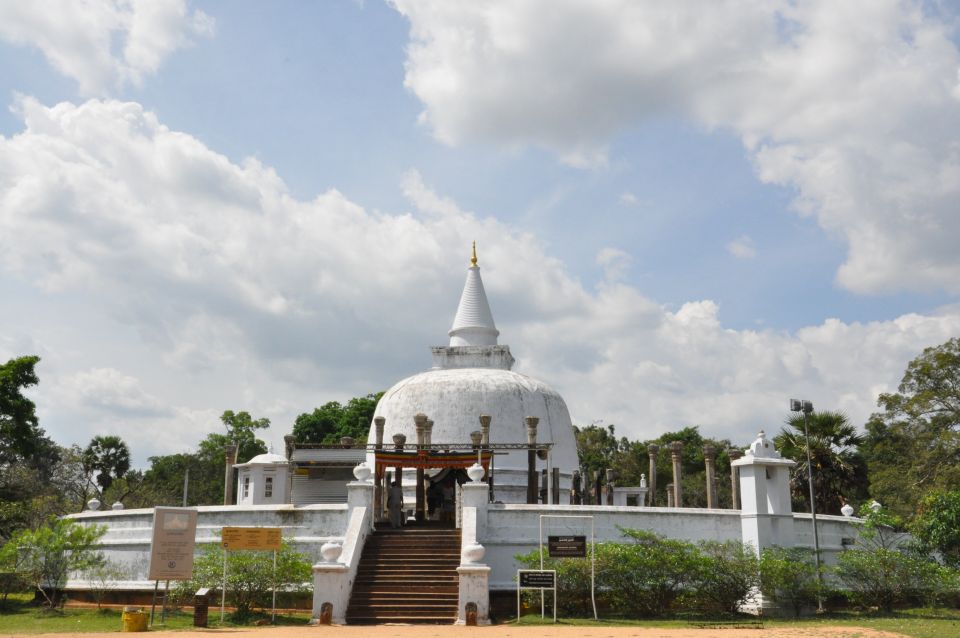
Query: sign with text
(171, 548)
(255, 538)
(535, 579)
(567, 546)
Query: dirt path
(507, 631)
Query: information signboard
(546, 579)
(567, 546)
(171, 548)
(253, 538)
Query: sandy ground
(507, 631)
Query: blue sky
(704, 221)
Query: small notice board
(251, 538)
(537, 579)
(567, 546)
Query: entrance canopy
(429, 459)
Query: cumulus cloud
(853, 106)
(103, 44)
(742, 247)
(231, 293)
(111, 390)
(629, 199)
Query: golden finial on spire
(473, 260)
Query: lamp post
(806, 407)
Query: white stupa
(472, 376)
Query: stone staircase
(407, 575)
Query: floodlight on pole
(806, 407)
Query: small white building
(263, 480)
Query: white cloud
(103, 44)
(742, 247)
(614, 262)
(213, 288)
(629, 199)
(851, 105)
(110, 390)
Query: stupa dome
(473, 376)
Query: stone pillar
(420, 421)
(676, 448)
(598, 488)
(555, 485)
(230, 459)
(576, 493)
(543, 486)
(670, 495)
(476, 437)
(611, 483)
(399, 440)
(734, 454)
(428, 432)
(532, 422)
(378, 424)
(485, 442)
(709, 458)
(653, 450)
(485, 429)
(380, 473)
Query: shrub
(728, 577)
(46, 555)
(651, 574)
(885, 578)
(573, 579)
(788, 576)
(102, 577)
(250, 576)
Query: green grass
(19, 616)
(917, 623)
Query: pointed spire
(473, 324)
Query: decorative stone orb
(362, 472)
(875, 506)
(473, 553)
(117, 506)
(93, 504)
(847, 509)
(331, 551)
(476, 472)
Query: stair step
(408, 620)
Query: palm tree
(839, 470)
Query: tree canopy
(331, 421)
(839, 470)
(913, 446)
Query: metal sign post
(571, 544)
(252, 538)
(541, 579)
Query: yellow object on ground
(134, 620)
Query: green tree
(839, 469)
(28, 458)
(106, 458)
(913, 445)
(332, 421)
(937, 525)
(46, 555)
(788, 576)
(250, 576)
(728, 577)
